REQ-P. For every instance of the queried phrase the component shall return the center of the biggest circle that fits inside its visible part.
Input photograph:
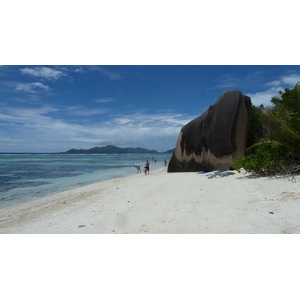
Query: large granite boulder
(216, 138)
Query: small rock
(80, 226)
(271, 213)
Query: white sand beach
(165, 203)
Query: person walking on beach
(147, 167)
(165, 161)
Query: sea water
(27, 177)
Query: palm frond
(290, 122)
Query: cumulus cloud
(44, 72)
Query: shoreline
(164, 203)
(130, 171)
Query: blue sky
(55, 108)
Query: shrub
(255, 130)
(279, 151)
(267, 159)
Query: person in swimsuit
(138, 169)
(147, 167)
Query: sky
(52, 108)
(131, 74)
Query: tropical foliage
(256, 130)
(274, 144)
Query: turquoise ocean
(27, 177)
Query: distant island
(113, 150)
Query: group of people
(147, 167)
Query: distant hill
(110, 150)
(170, 151)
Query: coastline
(29, 177)
(164, 203)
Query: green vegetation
(110, 150)
(274, 136)
(256, 130)
(170, 151)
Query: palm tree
(284, 120)
(279, 152)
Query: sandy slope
(165, 203)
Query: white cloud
(85, 140)
(291, 80)
(30, 87)
(110, 74)
(37, 126)
(81, 110)
(264, 97)
(44, 72)
(228, 81)
(79, 70)
(25, 115)
(150, 121)
(10, 140)
(104, 100)
(287, 80)
(274, 83)
(280, 84)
